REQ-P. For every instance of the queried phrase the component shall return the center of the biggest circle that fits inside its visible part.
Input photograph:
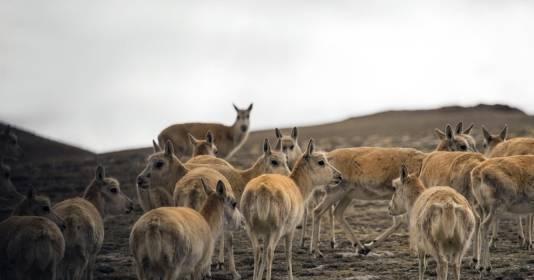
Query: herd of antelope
(451, 199)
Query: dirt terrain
(62, 175)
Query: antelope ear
(156, 147)
(403, 173)
(192, 139)
(459, 127)
(235, 107)
(310, 148)
(250, 107)
(468, 130)
(278, 145)
(504, 132)
(440, 134)
(266, 147)
(221, 189)
(294, 133)
(487, 135)
(209, 137)
(277, 133)
(449, 132)
(169, 149)
(205, 186)
(100, 173)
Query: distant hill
(38, 148)
(415, 124)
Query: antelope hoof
(317, 254)
(474, 263)
(219, 265)
(364, 250)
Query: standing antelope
(273, 206)
(170, 242)
(189, 193)
(229, 138)
(203, 147)
(502, 184)
(442, 222)
(367, 173)
(31, 243)
(9, 144)
(500, 146)
(84, 228)
(290, 146)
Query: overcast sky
(109, 75)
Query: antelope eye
(274, 162)
(292, 147)
(234, 204)
(463, 147)
(114, 190)
(159, 164)
(46, 208)
(321, 163)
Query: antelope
(203, 147)
(189, 193)
(454, 169)
(273, 206)
(500, 146)
(9, 144)
(229, 138)
(84, 226)
(456, 140)
(441, 221)
(290, 146)
(367, 173)
(179, 241)
(502, 184)
(32, 244)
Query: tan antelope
(454, 169)
(367, 173)
(203, 146)
(189, 193)
(273, 206)
(502, 184)
(498, 145)
(442, 222)
(156, 183)
(229, 138)
(84, 226)
(32, 244)
(9, 144)
(290, 146)
(456, 140)
(172, 242)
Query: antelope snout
(244, 128)
(142, 182)
(337, 179)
